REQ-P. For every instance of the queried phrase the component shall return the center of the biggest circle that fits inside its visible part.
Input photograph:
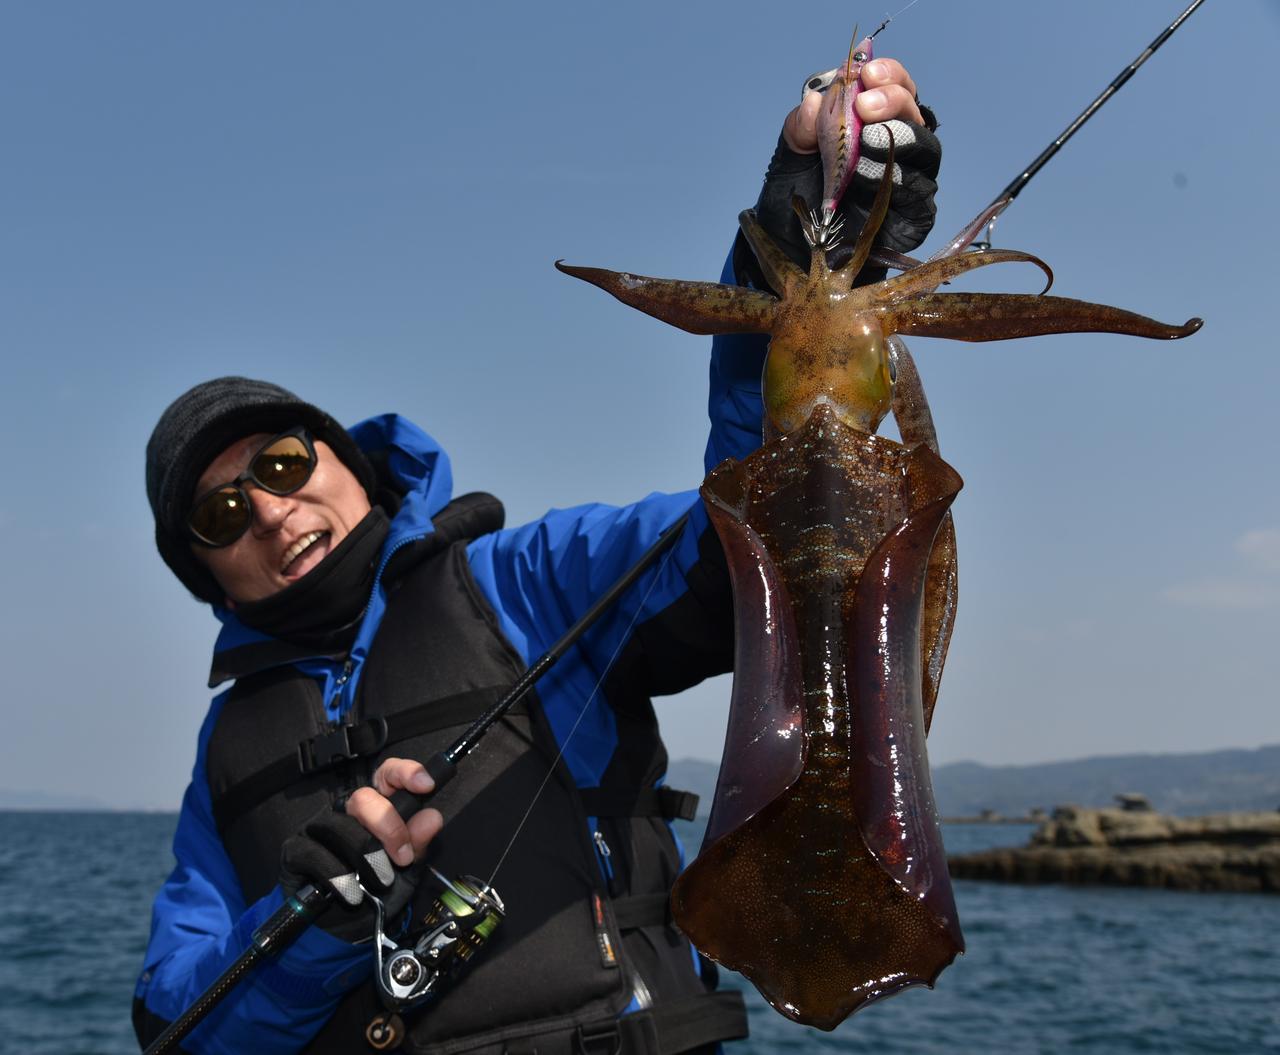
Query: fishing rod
(469, 899)
(1004, 199)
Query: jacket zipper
(344, 675)
(606, 864)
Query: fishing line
(626, 635)
(892, 17)
(1005, 198)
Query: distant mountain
(1212, 782)
(1186, 785)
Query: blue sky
(362, 202)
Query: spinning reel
(462, 918)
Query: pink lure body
(840, 129)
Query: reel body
(460, 921)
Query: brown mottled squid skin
(835, 891)
(822, 876)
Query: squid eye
(859, 56)
(893, 369)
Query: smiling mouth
(301, 546)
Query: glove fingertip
(381, 865)
(347, 887)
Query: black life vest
(574, 951)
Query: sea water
(1048, 968)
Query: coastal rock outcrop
(1138, 847)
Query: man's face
(290, 534)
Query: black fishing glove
(917, 156)
(336, 852)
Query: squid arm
(779, 270)
(1003, 316)
(696, 307)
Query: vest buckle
(598, 1039)
(342, 744)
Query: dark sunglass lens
(221, 517)
(283, 466)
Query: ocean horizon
(1048, 968)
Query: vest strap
(667, 1028)
(642, 910)
(668, 803)
(345, 742)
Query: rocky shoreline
(1139, 847)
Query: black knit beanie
(198, 426)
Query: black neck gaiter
(322, 610)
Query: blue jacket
(538, 578)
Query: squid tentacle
(883, 256)
(928, 277)
(910, 405)
(965, 236)
(937, 618)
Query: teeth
(294, 551)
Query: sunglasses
(281, 466)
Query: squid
(822, 876)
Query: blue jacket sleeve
(734, 402)
(199, 925)
(540, 578)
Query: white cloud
(1222, 592)
(1262, 547)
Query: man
(367, 619)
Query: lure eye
(819, 82)
(859, 56)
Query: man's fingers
(397, 773)
(404, 842)
(888, 93)
(800, 129)
(892, 101)
(879, 72)
(376, 814)
(424, 826)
